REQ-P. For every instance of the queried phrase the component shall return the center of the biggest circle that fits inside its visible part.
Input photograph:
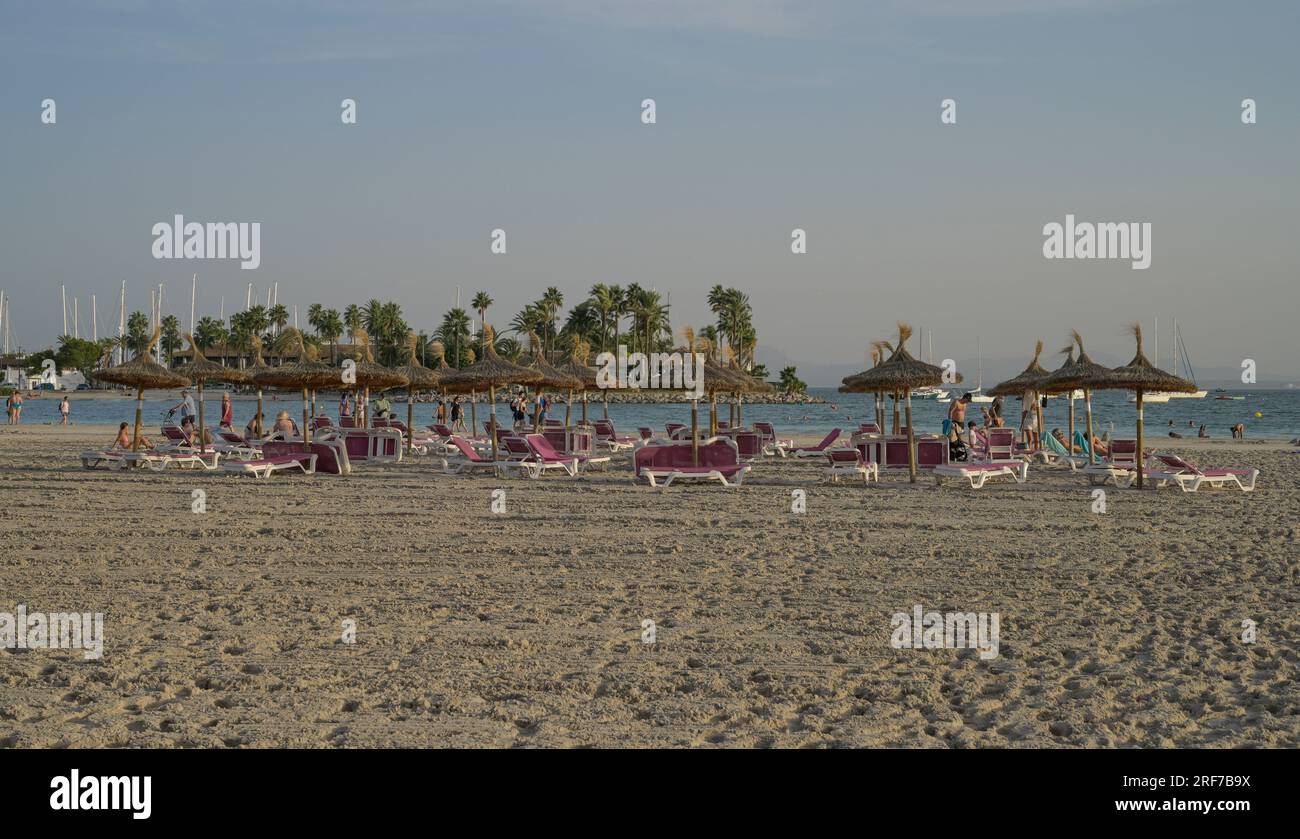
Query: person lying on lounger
(123, 440)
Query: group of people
(964, 435)
(451, 413)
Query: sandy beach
(224, 628)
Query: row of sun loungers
(657, 461)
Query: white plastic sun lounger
(979, 473)
(849, 463)
(1174, 469)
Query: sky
(525, 115)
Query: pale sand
(523, 629)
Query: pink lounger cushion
(718, 460)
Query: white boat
(929, 393)
(1178, 344)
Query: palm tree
(550, 305)
(481, 303)
(171, 337)
(352, 321)
(278, 315)
(602, 300)
(329, 326)
(789, 383)
(619, 299)
(454, 332)
(137, 331)
(208, 333)
(584, 322)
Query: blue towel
(1081, 442)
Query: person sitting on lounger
(250, 430)
(285, 425)
(192, 434)
(123, 440)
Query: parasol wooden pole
(584, 406)
(410, 419)
(1038, 406)
(202, 449)
(1070, 440)
(1087, 409)
(605, 394)
(713, 414)
(257, 419)
(313, 403)
(740, 410)
(492, 423)
(568, 406)
(139, 411)
(306, 426)
(695, 436)
(473, 419)
(365, 415)
(911, 439)
(1139, 451)
(897, 427)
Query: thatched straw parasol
(1029, 379)
(418, 377)
(491, 371)
(1084, 371)
(368, 375)
(575, 366)
(552, 377)
(901, 373)
(878, 350)
(1052, 384)
(1139, 375)
(306, 374)
(258, 365)
(142, 372)
(199, 370)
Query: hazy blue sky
(772, 115)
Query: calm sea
(1279, 412)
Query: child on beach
(64, 410)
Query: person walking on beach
(15, 408)
(345, 405)
(956, 417)
(1029, 419)
(64, 410)
(441, 414)
(457, 415)
(186, 406)
(227, 413)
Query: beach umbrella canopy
(552, 378)
(900, 373)
(1140, 376)
(305, 375)
(575, 366)
(1077, 375)
(1031, 378)
(490, 372)
(199, 370)
(368, 375)
(418, 377)
(142, 373)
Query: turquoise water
(1112, 411)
